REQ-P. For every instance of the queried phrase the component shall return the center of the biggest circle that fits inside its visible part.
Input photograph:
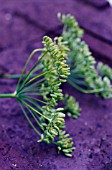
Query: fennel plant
(66, 58)
(38, 93)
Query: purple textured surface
(22, 24)
(96, 3)
(37, 15)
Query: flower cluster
(53, 125)
(84, 76)
(104, 70)
(38, 92)
(72, 108)
(65, 143)
(54, 60)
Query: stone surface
(37, 14)
(97, 3)
(22, 25)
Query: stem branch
(10, 95)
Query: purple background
(22, 25)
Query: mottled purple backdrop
(22, 25)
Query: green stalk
(8, 95)
(29, 99)
(35, 84)
(10, 76)
(38, 76)
(35, 118)
(29, 120)
(33, 109)
(31, 70)
(14, 76)
(32, 98)
(82, 90)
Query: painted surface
(22, 25)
